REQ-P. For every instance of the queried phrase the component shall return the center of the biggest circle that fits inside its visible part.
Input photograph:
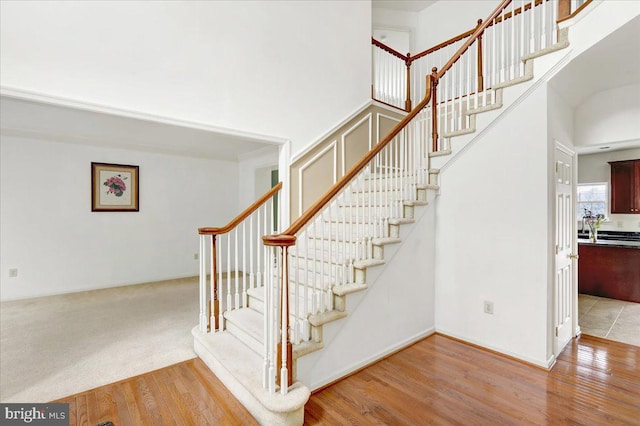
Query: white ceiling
(71, 125)
(406, 5)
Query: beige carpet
(56, 346)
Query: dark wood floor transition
(435, 381)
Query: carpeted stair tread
(385, 240)
(325, 317)
(362, 264)
(343, 290)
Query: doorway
(565, 282)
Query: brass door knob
(574, 256)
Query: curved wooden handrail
(286, 236)
(242, 216)
(388, 49)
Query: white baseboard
(544, 363)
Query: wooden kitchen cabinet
(609, 271)
(625, 187)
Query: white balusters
(389, 77)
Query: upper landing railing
(398, 79)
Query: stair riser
(351, 238)
(238, 331)
(384, 184)
(357, 230)
(372, 213)
(302, 329)
(384, 197)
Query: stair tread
(385, 240)
(235, 364)
(361, 264)
(342, 290)
(325, 317)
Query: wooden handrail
(410, 59)
(443, 44)
(388, 49)
(277, 240)
(242, 216)
(517, 11)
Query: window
(592, 197)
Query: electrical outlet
(13, 272)
(196, 256)
(488, 307)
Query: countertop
(610, 243)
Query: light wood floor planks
(442, 381)
(435, 381)
(182, 394)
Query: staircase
(289, 297)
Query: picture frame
(115, 188)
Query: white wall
(492, 237)
(561, 119)
(447, 19)
(254, 175)
(279, 68)
(398, 20)
(608, 117)
(595, 168)
(58, 245)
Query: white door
(565, 289)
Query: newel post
(480, 78)
(434, 108)
(564, 8)
(284, 349)
(407, 102)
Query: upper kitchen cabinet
(625, 187)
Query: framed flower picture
(114, 188)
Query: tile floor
(608, 318)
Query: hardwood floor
(443, 381)
(187, 393)
(435, 381)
